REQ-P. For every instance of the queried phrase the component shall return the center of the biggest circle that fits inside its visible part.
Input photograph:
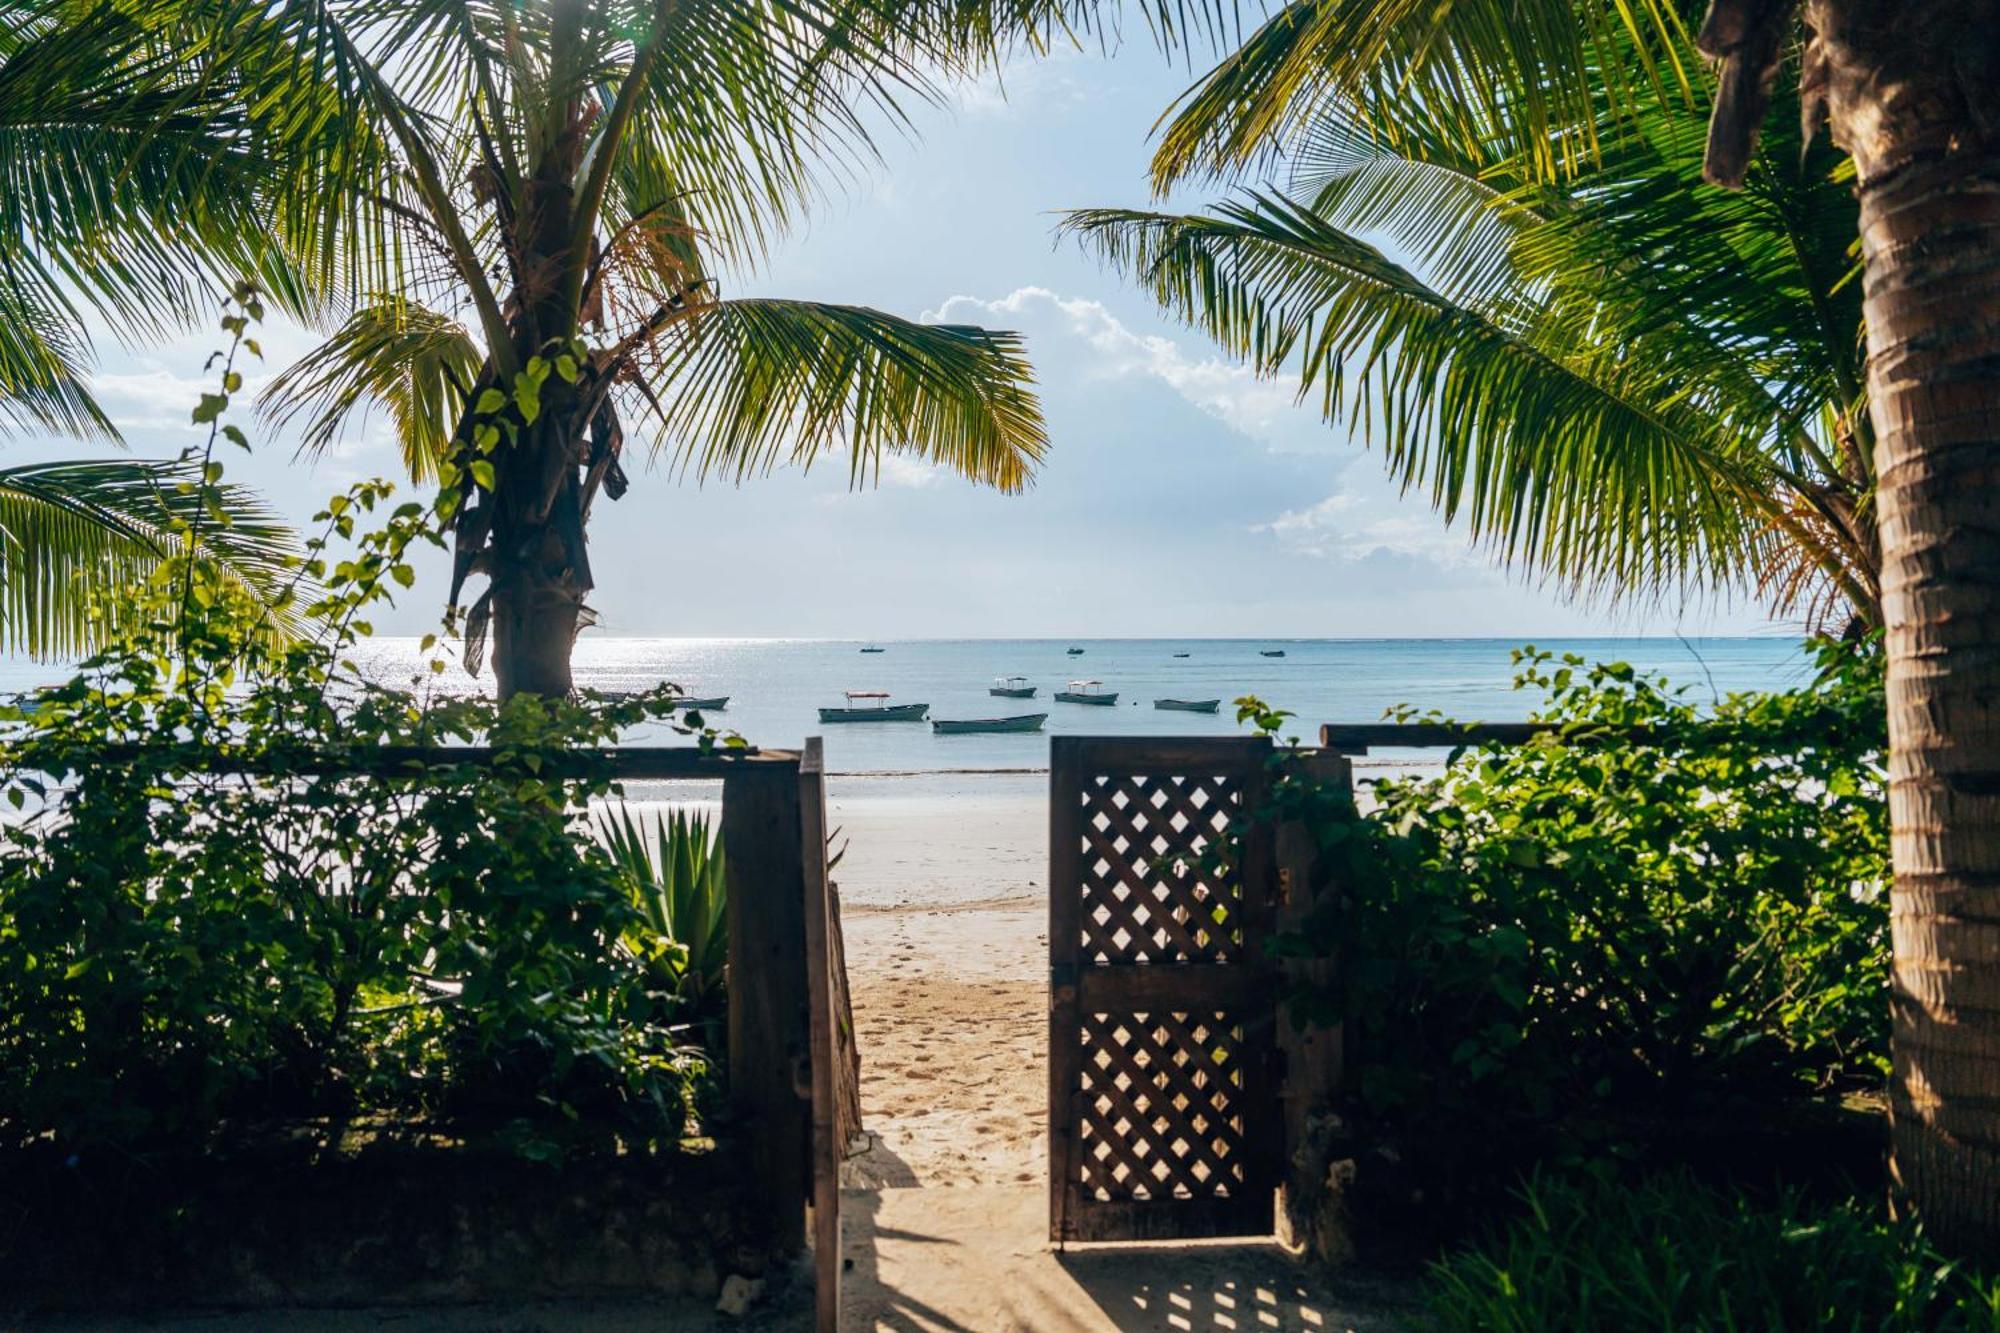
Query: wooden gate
(1163, 1078)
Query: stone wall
(385, 1226)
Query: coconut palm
(122, 198)
(1912, 93)
(1617, 377)
(536, 204)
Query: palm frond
(744, 386)
(1596, 469)
(417, 363)
(73, 532)
(1537, 73)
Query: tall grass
(1671, 1254)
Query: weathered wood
(768, 1000)
(1312, 1056)
(823, 1041)
(1162, 1081)
(847, 1051)
(637, 762)
(1359, 737)
(1065, 954)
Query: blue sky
(1181, 496)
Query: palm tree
(1912, 93)
(533, 211)
(1617, 377)
(123, 204)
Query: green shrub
(676, 882)
(189, 957)
(1672, 1254)
(1596, 921)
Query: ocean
(949, 821)
(775, 686)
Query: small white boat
(710, 705)
(1188, 705)
(874, 706)
(963, 726)
(1087, 692)
(1012, 687)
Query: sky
(1181, 496)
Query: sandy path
(952, 1017)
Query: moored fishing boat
(1087, 692)
(871, 648)
(959, 726)
(874, 706)
(1271, 652)
(1012, 687)
(713, 704)
(1076, 652)
(1189, 705)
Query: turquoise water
(775, 686)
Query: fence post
(768, 1042)
(1309, 1214)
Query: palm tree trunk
(1912, 90)
(534, 628)
(1932, 242)
(539, 560)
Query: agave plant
(676, 878)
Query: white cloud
(908, 473)
(1345, 526)
(1231, 393)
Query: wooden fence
(793, 1068)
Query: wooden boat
(1271, 652)
(1189, 705)
(1012, 687)
(962, 725)
(875, 707)
(1087, 692)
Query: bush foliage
(188, 954)
(1670, 1253)
(1654, 907)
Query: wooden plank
(827, 1147)
(1360, 737)
(768, 1041)
(1143, 987)
(1066, 775)
(1155, 754)
(1312, 1058)
(636, 762)
(1173, 1219)
(1263, 1125)
(847, 1052)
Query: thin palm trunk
(1912, 91)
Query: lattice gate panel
(1162, 1095)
